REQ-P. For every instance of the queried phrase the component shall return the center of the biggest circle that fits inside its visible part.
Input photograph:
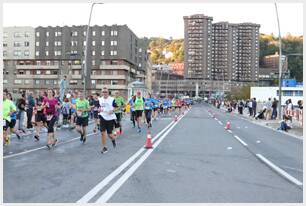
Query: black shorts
(96, 114)
(82, 121)
(12, 123)
(7, 124)
(119, 117)
(106, 125)
(40, 117)
(138, 113)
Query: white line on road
(220, 122)
(240, 140)
(40, 148)
(230, 131)
(216, 119)
(111, 191)
(279, 170)
(94, 191)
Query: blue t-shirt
(155, 103)
(73, 101)
(14, 116)
(165, 103)
(148, 104)
(131, 102)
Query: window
(37, 81)
(84, 33)
(17, 34)
(47, 33)
(47, 81)
(4, 44)
(113, 43)
(38, 72)
(17, 44)
(47, 53)
(57, 43)
(48, 72)
(299, 93)
(27, 53)
(93, 43)
(58, 33)
(18, 81)
(4, 53)
(113, 53)
(17, 53)
(27, 81)
(37, 43)
(140, 50)
(84, 43)
(55, 82)
(94, 33)
(93, 63)
(103, 33)
(93, 53)
(74, 43)
(27, 34)
(102, 53)
(74, 33)
(74, 52)
(114, 82)
(102, 43)
(5, 35)
(47, 43)
(4, 81)
(26, 44)
(37, 34)
(37, 53)
(57, 53)
(114, 33)
(93, 81)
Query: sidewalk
(297, 129)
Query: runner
(13, 118)
(149, 104)
(139, 106)
(50, 104)
(73, 111)
(82, 108)
(65, 111)
(8, 109)
(155, 107)
(95, 106)
(40, 118)
(132, 108)
(173, 105)
(107, 118)
(120, 102)
(178, 106)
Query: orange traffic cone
(148, 144)
(228, 125)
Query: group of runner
(75, 111)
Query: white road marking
(245, 127)
(216, 119)
(279, 170)
(111, 191)
(40, 148)
(229, 148)
(241, 141)
(220, 122)
(94, 191)
(293, 168)
(230, 131)
(258, 141)
(238, 127)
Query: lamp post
(279, 67)
(86, 47)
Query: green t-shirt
(120, 102)
(82, 104)
(139, 103)
(8, 106)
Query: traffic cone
(228, 125)
(148, 144)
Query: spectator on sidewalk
(300, 104)
(240, 107)
(250, 107)
(284, 124)
(274, 109)
(254, 106)
(290, 109)
(269, 109)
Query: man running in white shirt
(107, 118)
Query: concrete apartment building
(114, 59)
(220, 51)
(197, 46)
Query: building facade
(114, 59)
(18, 43)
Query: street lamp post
(86, 47)
(279, 67)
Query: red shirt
(52, 103)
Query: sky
(155, 19)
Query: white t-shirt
(107, 106)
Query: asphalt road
(193, 160)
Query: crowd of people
(50, 110)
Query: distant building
(272, 62)
(18, 43)
(177, 68)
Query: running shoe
(48, 146)
(36, 138)
(82, 137)
(84, 140)
(18, 136)
(54, 143)
(138, 130)
(114, 143)
(104, 150)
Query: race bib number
(4, 123)
(49, 117)
(147, 107)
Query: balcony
(76, 66)
(108, 77)
(36, 76)
(124, 67)
(76, 76)
(37, 66)
(101, 86)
